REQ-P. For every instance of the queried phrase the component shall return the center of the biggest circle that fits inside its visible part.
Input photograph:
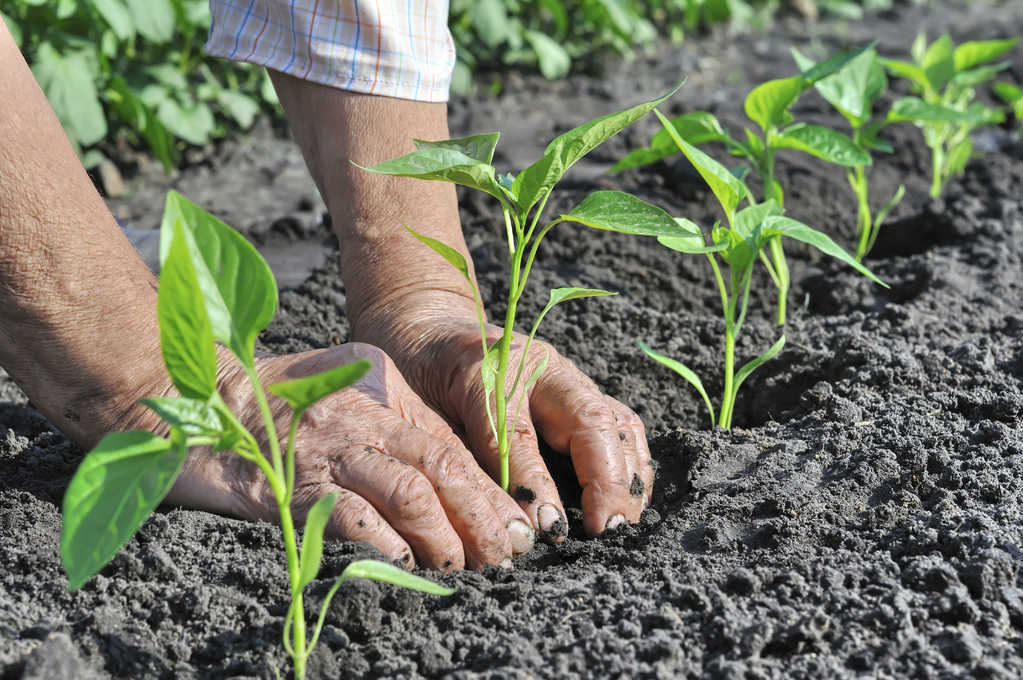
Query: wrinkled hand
(406, 483)
(435, 341)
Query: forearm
(382, 264)
(69, 280)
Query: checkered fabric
(395, 48)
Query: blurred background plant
(133, 71)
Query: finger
(353, 519)
(634, 442)
(518, 523)
(573, 417)
(404, 497)
(529, 482)
(467, 496)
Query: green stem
(937, 163)
(727, 400)
(268, 421)
(782, 269)
(858, 181)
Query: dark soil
(862, 520)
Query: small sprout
(945, 77)
(737, 246)
(768, 105)
(214, 287)
(467, 162)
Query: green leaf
(787, 226)
(768, 104)
(1011, 95)
(238, 289)
(453, 257)
(186, 339)
(488, 367)
(388, 573)
(241, 107)
(970, 54)
(904, 69)
(133, 110)
(696, 128)
(490, 19)
(748, 219)
(980, 75)
(692, 244)
(444, 164)
(154, 19)
(477, 147)
(823, 143)
(753, 365)
(559, 295)
(833, 64)
(115, 489)
(554, 61)
(69, 84)
(624, 213)
(192, 122)
(567, 149)
(919, 47)
(304, 392)
(938, 63)
(686, 373)
(14, 28)
(312, 539)
(726, 187)
(191, 416)
(918, 111)
(846, 90)
(116, 14)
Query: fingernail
(552, 522)
(506, 563)
(522, 536)
(613, 522)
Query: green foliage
(768, 105)
(135, 69)
(853, 91)
(214, 286)
(737, 244)
(522, 201)
(945, 77)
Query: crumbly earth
(863, 519)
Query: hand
(435, 341)
(406, 483)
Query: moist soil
(863, 518)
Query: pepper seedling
(946, 78)
(467, 161)
(737, 245)
(214, 287)
(853, 91)
(768, 105)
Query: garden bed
(864, 517)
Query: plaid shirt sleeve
(395, 48)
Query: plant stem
(937, 163)
(781, 267)
(728, 399)
(864, 225)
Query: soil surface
(863, 519)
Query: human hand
(406, 483)
(434, 339)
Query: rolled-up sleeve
(395, 48)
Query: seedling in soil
(214, 288)
(853, 91)
(737, 245)
(467, 161)
(768, 105)
(946, 78)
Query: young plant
(853, 91)
(737, 245)
(946, 78)
(768, 106)
(214, 287)
(467, 162)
